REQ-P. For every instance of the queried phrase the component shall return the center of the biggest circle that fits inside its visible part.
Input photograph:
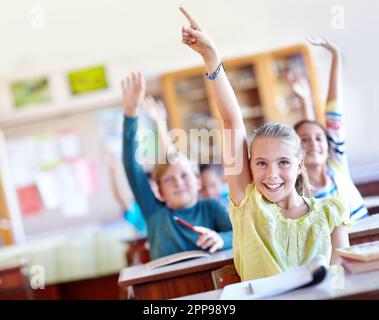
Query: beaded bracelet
(215, 74)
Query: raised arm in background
(156, 111)
(335, 81)
(117, 188)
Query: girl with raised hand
(276, 226)
(325, 156)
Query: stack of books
(362, 257)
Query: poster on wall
(29, 92)
(87, 80)
(29, 200)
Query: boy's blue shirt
(165, 235)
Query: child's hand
(325, 43)
(209, 239)
(299, 86)
(155, 109)
(196, 38)
(133, 90)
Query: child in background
(325, 157)
(275, 225)
(213, 183)
(156, 111)
(132, 212)
(178, 187)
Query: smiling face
(314, 144)
(179, 186)
(275, 168)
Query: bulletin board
(59, 174)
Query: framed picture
(87, 80)
(33, 91)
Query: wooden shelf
(251, 112)
(246, 85)
(193, 95)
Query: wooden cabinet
(5, 225)
(262, 86)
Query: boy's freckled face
(211, 185)
(275, 168)
(314, 144)
(179, 186)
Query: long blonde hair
(288, 135)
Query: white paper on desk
(274, 285)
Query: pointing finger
(189, 18)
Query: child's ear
(156, 190)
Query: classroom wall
(145, 35)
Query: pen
(186, 224)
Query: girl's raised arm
(335, 81)
(235, 147)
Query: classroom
(189, 150)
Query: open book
(176, 257)
(308, 274)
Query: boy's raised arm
(133, 90)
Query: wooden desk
(14, 283)
(357, 286)
(365, 230)
(179, 279)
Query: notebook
(176, 257)
(368, 251)
(309, 274)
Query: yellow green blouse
(266, 243)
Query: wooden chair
(14, 282)
(138, 251)
(224, 276)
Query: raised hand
(195, 37)
(155, 109)
(133, 90)
(335, 82)
(299, 86)
(323, 42)
(209, 239)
